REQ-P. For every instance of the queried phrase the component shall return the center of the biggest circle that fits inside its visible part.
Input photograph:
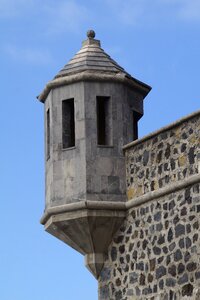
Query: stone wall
(156, 252)
(170, 155)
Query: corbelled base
(94, 262)
(88, 230)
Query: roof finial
(91, 34)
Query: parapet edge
(161, 130)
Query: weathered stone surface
(118, 295)
(133, 277)
(156, 250)
(160, 272)
(166, 256)
(122, 249)
(192, 266)
(172, 270)
(170, 282)
(164, 239)
(142, 279)
(157, 216)
(178, 255)
(188, 242)
(187, 290)
(152, 264)
(105, 274)
(118, 282)
(170, 159)
(183, 279)
(181, 268)
(104, 293)
(140, 266)
(172, 246)
(179, 230)
(170, 235)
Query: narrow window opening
(68, 125)
(104, 126)
(48, 133)
(136, 117)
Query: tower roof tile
(91, 62)
(91, 57)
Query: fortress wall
(156, 252)
(164, 157)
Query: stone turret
(92, 108)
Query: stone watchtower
(92, 108)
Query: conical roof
(92, 63)
(91, 57)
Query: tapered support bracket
(88, 229)
(94, 262)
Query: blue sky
(157, 41)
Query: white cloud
(190, 10)
(154, 12)
(128, 12)
(64, 16)
(28, 55)
(186, 9)
(14, 8)
(52, 16)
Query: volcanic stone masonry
(156, 253)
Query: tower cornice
(141, 87)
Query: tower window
(48, 134)
(68, 125)
(104, 121)
(136, 117)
